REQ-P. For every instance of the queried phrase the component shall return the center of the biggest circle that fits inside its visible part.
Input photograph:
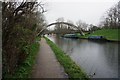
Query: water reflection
(100, 58)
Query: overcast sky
(89, 11)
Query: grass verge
(110, 34)
(25, 69)
(70, 67)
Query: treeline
(112, 17)
(63, 28)
(111, 20)
(21, 22)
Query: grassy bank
(70, 67)
(110, 34)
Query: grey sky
(89, 11)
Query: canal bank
(70, 67)
(100, 58)
(111, 35)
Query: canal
(98, 58)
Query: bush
(24, 70)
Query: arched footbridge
(66, 23)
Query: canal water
(98, 58)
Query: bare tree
(112, 19)
(59, 27)
(69, 27)
(19, 23)
(82, 25)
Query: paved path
(47, 65)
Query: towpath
(46, 65)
